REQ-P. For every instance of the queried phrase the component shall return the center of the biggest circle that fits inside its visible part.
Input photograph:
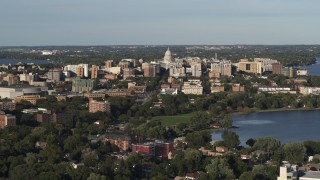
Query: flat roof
(311, 175)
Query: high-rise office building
(108, 63)
(221, 68)
(276, 68)
(149, 70)
(80, 72)
(196, 69)
(94, 71)
(55, 75)
(128, 72)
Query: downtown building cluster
(184, 75)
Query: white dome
(167, 56)
(168, 52)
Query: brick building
(95, 95)
(94, 71)
(59, 118)
(157, 148)
(276, 68)
(7, 106)
(237, 88)
(95, 106)
(149, 70)
(121, 141)
(80, 71)
(30, 98)
(7, 120)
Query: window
(248, 67)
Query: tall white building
(196, 69)
(73, 68)
(26, 77)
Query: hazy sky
(164, 22)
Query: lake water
(286, 126)
(313, 69)
(26, 61)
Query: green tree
(193, 159)
(49, 176)
(246, 176)
(294, 152)
(227, 121)
(22, 172)
(74, 142)
(200, 120)
(30, 159)
(312, 147)
(230, 139)
(51, 153)
(198, 139)
(94, 176)
(250, 142)
(267, 144)
(219, 169)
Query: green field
(173, 120)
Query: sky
(159, 22)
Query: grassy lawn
(173, 120)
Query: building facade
(83, 85)
(121, 141)
(30, 98)
(149, 70)
(7, 106)
(128, 72)
(108, 64)
(250, 67)
(276, 68)
(102, 106)
(157, 148)
(196, 69)
(7, 120)
(54, 75)
(192, 87)
(94, 71)
(221, 68)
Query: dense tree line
(289, 55)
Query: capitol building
(167, 57)
(175, 66)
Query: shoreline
(274, 110)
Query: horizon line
(2, 46)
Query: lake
(313, 69)
(26, 61)
(286, 126)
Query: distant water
(26, 61)
(313, 69)
(286, 126)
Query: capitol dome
(167, 56)
(168, 53)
